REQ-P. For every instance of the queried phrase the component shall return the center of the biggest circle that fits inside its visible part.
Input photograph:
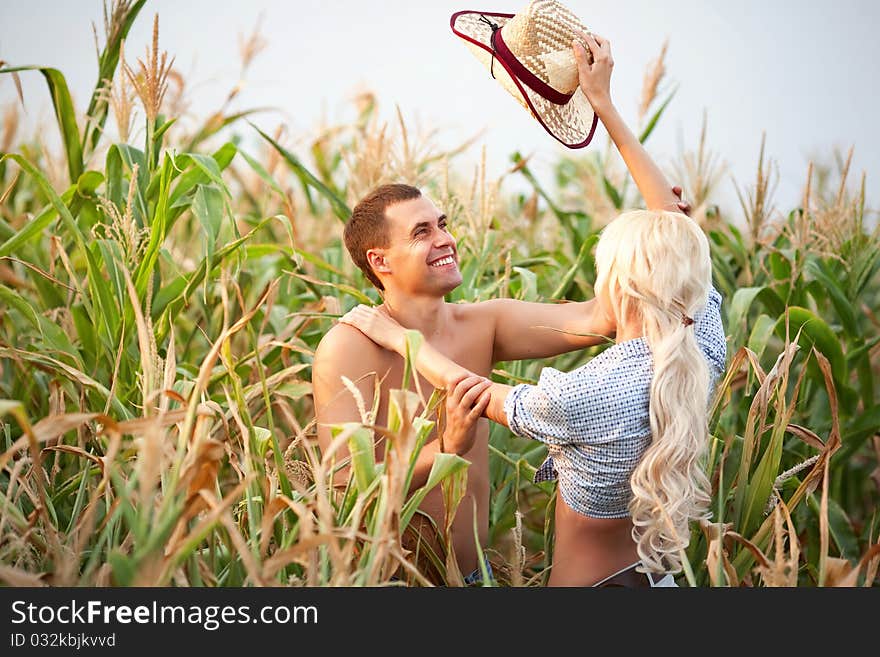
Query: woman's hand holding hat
(595, 83)
(595, 77)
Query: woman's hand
(378, 325)
(683, 206)
(466, 399)
(595, 77)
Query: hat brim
(572, 124)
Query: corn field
(163, 288)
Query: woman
(626, 432)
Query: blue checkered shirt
(595, 420)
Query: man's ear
(376, 260)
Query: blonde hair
(655, 270)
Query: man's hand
(683, 205)
(378, 325)
(466, 399)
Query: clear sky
(804, 72)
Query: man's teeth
(443, 261)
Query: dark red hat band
(526, 82)
(531, 80)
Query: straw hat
(530, 54)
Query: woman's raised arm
(595, 82)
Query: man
(401, 242)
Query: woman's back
(595, 420)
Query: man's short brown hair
(366, 228)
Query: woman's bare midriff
(587, 550)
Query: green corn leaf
(111, 255)
(454, 487)
(740, 306)
(293, 391)
(844, 307)
(208, 166)
(207, 206)
(314, 283)
(761, 333)
(840, 527)
(105, 307)
(66, 371)
(731, 245)
(56, 340)
(160, 133)
(761, 483)
(652, 123)
(217, 122)
(197, 174)
(363, 457)
(88, 338)
(445, 465)
(34, 227)
(724, 278)
(15, 300)
(64, 113)
(262, 440)
(857, 433)
(88, 182)
(414, 340)
(121, 158)
(423, 428)
(124, 567)
(816, 333)
(529, 284)
(780, 268)
(580, 263)
(866, 381)
(170, 298)
(861, 353)
(6, 231)
(308, 179)
(612, 193)
(158, 230)
(738, 311)
(262, 173)
(113, 174)
(402, 405)
(319, 263)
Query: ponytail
(654, 268)
(670, 487)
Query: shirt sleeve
(539, 411)
(709, 332)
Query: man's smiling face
(421, 257)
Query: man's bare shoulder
(342, 342)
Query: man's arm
(539, 330)
(345, 351)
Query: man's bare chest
(469, 348)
